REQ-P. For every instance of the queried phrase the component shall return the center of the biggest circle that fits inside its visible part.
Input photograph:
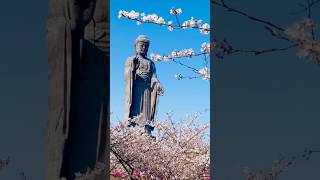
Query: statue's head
(142, 45)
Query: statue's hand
(160, 89)
(144, 75)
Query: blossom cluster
(204, 28)
(205, 49)
(192, 23)
(152, 18)
(178, 76)
(174, 11)
(132, 14)
(174, 54)
(179, 150)
(4, 163)
(301, 33)
(222, 48)
(205, 73)
(98, 171)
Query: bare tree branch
(280, 166)
(228, 8)
(276, 34)
(258, 52)
(124, 164)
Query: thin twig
(279, 36)
(228, 8)
(205, 60)
(258, 52)
(284, 163)
(123, 162)
(175, 60)
(177, 19)
(309, 7)
(187, 66)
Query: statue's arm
(155, 81)
(154, 78)
(128, 77)
(128, 88)
(127, 68)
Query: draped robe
(141, 94)
(78, 90)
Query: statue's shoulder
(129, 60)
(151, 62)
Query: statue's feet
(148, 135)
(148, 131)
(130, 123)
(127, 123)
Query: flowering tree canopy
(179, 151)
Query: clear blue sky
(184, 96)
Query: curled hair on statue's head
(142, 45)
(142, 38)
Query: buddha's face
(142, 48)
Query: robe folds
(78, 98)
(141, 93)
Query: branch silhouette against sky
(300, 35)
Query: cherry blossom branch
(141, 18)
(301, 35)
(187, 53)
(225, 48)
(182, 64)
(307, 8)
(175, 151)
(279, 166)
(177, 19)
(123, 163)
